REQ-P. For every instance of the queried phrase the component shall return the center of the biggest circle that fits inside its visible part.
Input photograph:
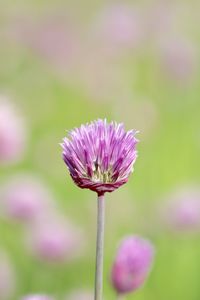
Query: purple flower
(100, 155)
(179, 59)
(132, 264)
(119, 26)
(53, 37)
(37, 297)
(181, 212)
(12, 133)
(24, 198)
(54, 241)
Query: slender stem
(99, 248)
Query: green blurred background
(57, 90)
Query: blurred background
(64, 63)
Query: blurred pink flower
(178, 59)
(12, 133)
(52, 240)
(119, 26)
(53, 37)
(7, 278)
(132, 264)
(37, 297)
(80, 295)
(181, 212)
(25, 198)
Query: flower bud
(132, 264)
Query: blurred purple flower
(53, 38)
(181, 211)
(119, 26)
(80, 295)
(12, 133)
(37, 297)
(178, 59)
(7, 278)
(100, 155)
(52, 240)
(24, 198)
(132, 264)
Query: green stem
(99, 248)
